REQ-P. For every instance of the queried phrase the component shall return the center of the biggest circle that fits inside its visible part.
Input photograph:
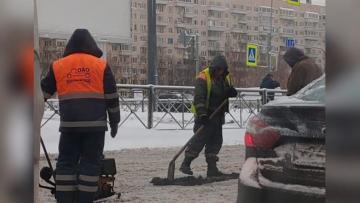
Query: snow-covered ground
(142, 154)
(132, 134)
(136, 168)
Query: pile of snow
(248, 174)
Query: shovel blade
(171, 171)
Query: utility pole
(37, 108)
(152, 49)
(197, 53)
(270, 38)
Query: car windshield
(315, 91)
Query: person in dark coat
(269, 83)
(87, 93)
(304, 70)
(213, 86)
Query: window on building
(114, 47)
(143, 50)
(161, 29)
(160, 8)
(170, 40)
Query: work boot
(212, 170)
(185, 166)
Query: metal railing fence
(159, 107)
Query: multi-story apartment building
(224, 27)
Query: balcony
(213, 53)
(313, 43)
(179, 46)
(283, 32)
(163, 2)
(287, 17)
(183, 4)
(217, 8)
(180, 25)
(266, 14)
(162, 44)
(312, 20)
(313, 54)
(216, 28)
(214, 38)
(287, 13)
(121, 52)
(189, 14)
(239, 11)
(239, 30)
(287, 34)
(217, 48)
(161, 23)
(316, 45)
(312, 37)
(312, 17)
(242, 21)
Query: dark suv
(285, 150)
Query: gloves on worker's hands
(203, 119)
(231, 92)
(114, 129)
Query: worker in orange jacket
(87, 94)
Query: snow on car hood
(311, 95)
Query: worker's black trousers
(210, 138)
(78, 166)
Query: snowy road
(142, 154)
(136, 167)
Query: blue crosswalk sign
(290, 42)
(251, 55)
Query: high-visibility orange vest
(79, 76)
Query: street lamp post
(152, 47)
(270, 37)
(197, 53)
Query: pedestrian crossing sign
(251, 55)
(294, 2)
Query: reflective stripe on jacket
(205, 75)
(86, 90)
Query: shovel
(171, 169)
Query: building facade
(224, 27)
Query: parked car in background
(174, 102)
(285, 150)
